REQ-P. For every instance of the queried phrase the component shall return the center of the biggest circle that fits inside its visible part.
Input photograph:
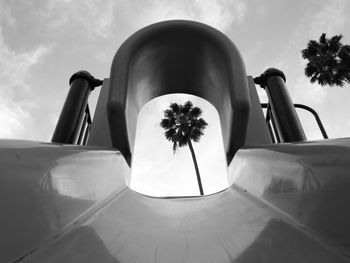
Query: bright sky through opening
(157, 171)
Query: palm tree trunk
(196, 167)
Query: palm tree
(183, 125)
(329, 61)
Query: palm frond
(169, 113)
(202, 122)
(344, 56)
(186, 108)
(169, 134)
(335, 44)
(323, 39)
(165, 123)
(311, 50)
(195, 112)
(310, 70)
(338, 80)
(196, 134)
(183, 141)
(174, 147)
(175, 108)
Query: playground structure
(69, 200)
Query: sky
(174, 174)
(43, 42)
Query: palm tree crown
(329, 61)
(182, 124)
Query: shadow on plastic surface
(279, 242)
(81, 245)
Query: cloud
(6, 15)
(219, 13)
(16, 99)
(102, 18)
(329, 19)
(94, 16)
(12, 118)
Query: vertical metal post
(282, 107)
(72, 114)
(271, 125)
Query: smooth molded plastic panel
(45, 188)
(178, 57)
(309, 181)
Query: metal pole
(272, 126)
(81, 84)
(283, 110)
(268, 122)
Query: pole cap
(83, 74)
(261, 80)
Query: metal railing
(83, 133)
(272, 125)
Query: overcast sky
(43, 42)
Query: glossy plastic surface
(230, 226)
(309, 181)
(45, 188)
(178, 56)
(71, 204)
